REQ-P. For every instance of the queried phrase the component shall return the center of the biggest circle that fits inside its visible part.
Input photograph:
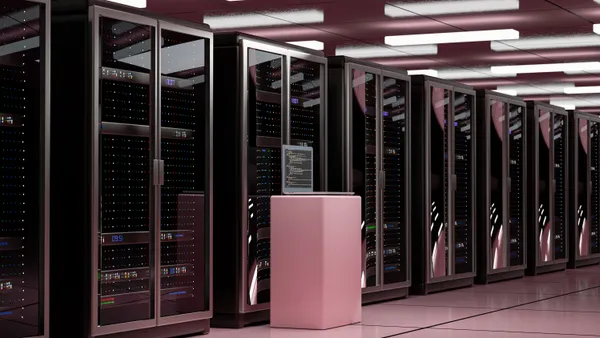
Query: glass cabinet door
(560, 186)
(264, 89)
(306, 80)
(364, 166)
(544, 212)
(595, 193)
(440, 181)
(125, 283)
(583, 185)
(395, 109)
(462, 181)
(183, 233)
(516, 185)
(498, 229)
(21, 221)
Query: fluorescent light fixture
(312, 44)
(583, 90)
(597, 27)
(366, 51)
(428, 72)
(264, 19)
(408, 9)
(572, 103)
(469, 73)
(546, 68)
(506, 92)
(132, 3)
(538, 88)
(454, 37)
(546, 42)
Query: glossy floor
(559, 305)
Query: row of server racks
(24, 168)
(131, 174)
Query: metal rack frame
(486, 273)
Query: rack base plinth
(188, 329)
(540, 270)
(425, 289)
(240, 320)
(583, 262)
(499, 277)
(384, 296)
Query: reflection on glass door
(516, 175)
(595, 193)
(125, 246)
(560, 179)
(364, 166)
(21, 31)
(305, 110)
(440, 183)
(497, 229)
(463, 229)
(583, 227)
(395, 103)
(264, 166)
(182, 225)
(545, 232)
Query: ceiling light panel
(538, 88)
(506, 92)
(312, 44)
(363, 52)
(132, 3)
(428, 72)
(469, 73)
(409, 9)
(590, 101)
(547, 68)
(546, 42)
(583, 90)
(455, 37)
(264, 19)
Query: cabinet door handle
(509, 183)
(158, 172)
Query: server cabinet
(444, 246)
(24, 168)
(369, 142)
(548, 182)
(502, 187)
(148, 180)
(585, 193)
(268, 94)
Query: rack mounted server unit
(369, 155)
(132, 175)
(24, 168)
(269, 94)
(584, 214)
(443, 176)
(548, 186)
(502, 187)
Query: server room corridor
(559, 305)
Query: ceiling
(561, 31)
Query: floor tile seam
(524, 332)
(481, 314)
(566, 311)
(453, 307)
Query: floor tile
(352, 331)
(523, 287)
(414, 316)
(475, 300)
(575, 323)
(572, 303)
(437, 333)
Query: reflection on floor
(559, 305)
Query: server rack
(24, 168)
(145, 176)
(548, 182)
(369, 155)
(269, 94)
(443, 207)
(502, 187)
(584, 227)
